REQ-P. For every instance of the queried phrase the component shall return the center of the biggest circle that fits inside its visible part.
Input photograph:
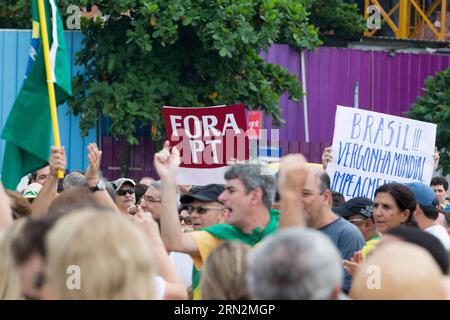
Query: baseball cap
(210, 192)
(425, 196)
(31, 191)
(359, 205)
(119, 183)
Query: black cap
(210, 192)
(360, 205)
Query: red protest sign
(254, 124)
(207, 137)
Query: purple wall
(387, 83)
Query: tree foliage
(338, 18)
(189, 53)
(15, 14)
(150, 53)
(434, 106)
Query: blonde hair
(9, 276)
(113, 256)
(224, 275)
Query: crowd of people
(258, 236)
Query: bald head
(317, 196)
(399, 271)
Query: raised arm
(175, 288)
(293, 173)
(166, 165)
(93, 178)
(6, 218)
(57, 161)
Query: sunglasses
(201, 209)
(124, 192)
(187, 220)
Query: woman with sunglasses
(125, 194)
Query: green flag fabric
(27, 131)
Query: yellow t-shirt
(206, 244)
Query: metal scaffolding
(412, 19)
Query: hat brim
(188, 198)
(125, 182)
(342, 211)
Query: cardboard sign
(254, 124)
(208, 139)
(371, 149)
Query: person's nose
(222, 197)
(194, 214)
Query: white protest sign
(371, 149)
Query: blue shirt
(348, 239)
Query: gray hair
(254, 176)
(74, 179)
(296, 263)
(157, 184)
(325, 183)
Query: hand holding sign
(167, 162)
(327, 156)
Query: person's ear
(256, 195)
(328, 196)
(406, 215)
(223, 215)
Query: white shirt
(160, 288)
(441, 233)
(183, 264)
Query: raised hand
(436, 157)
(293, 174)
(167, 162)
(354, 263)
(326, 156)
(57, 160)
(146, 222)
(95, 158)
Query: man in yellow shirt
(248, 196)
(359, 211)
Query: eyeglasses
(187, 220)
(148, 199)
(123, 192)
(201, 209)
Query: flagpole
(50, 84)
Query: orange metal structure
(414, 19)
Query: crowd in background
(261, 235)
